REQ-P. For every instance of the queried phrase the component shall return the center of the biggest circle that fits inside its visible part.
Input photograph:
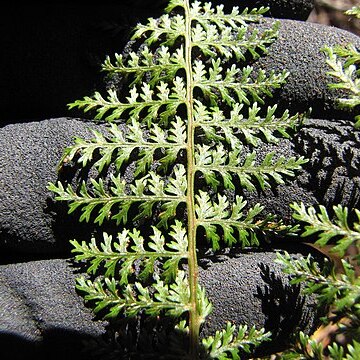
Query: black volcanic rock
(268, 302)
(29, 156)
(42, 315)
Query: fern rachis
(192, 118)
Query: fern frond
(131, 248)
(268, 127)
(159, 66)
(235, 85)
(141, 103)
(305, 348)
(339, 230)
(189, 118)
(355, 10)
(342, 292)
(205, 14)
(347, 79)
(166, 29)
(230, 341)
(349, 53)
(172, 4)
(171, 300)
(254, 128)
(217, 161)
(213, 34)
(115, 202)
(210, 44)
(349, 351)
(235, 225)
(117, 146)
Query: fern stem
(194, 321)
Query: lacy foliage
(344, 61)
(188, 128)
(339, 291)
(337, 287)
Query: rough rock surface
(330, 176)
(283, 309)
(41, 314)
(29, 156)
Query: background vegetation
(331, 12)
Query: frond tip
(230, 341)
(336, 230)
(346, 75)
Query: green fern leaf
(130, 249)
(227, 164)
(161, 66)
(355, 10)
(172, 300)
(225, 343)
(329, 229)
(185, 129)
(346, 74)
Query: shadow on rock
(332, 147)
(57, 344)
(285, 310)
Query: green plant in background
(336, 289)
(169, 171)
(343, 60)
(355, 10)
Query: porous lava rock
(29, 156)
(42, 316)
